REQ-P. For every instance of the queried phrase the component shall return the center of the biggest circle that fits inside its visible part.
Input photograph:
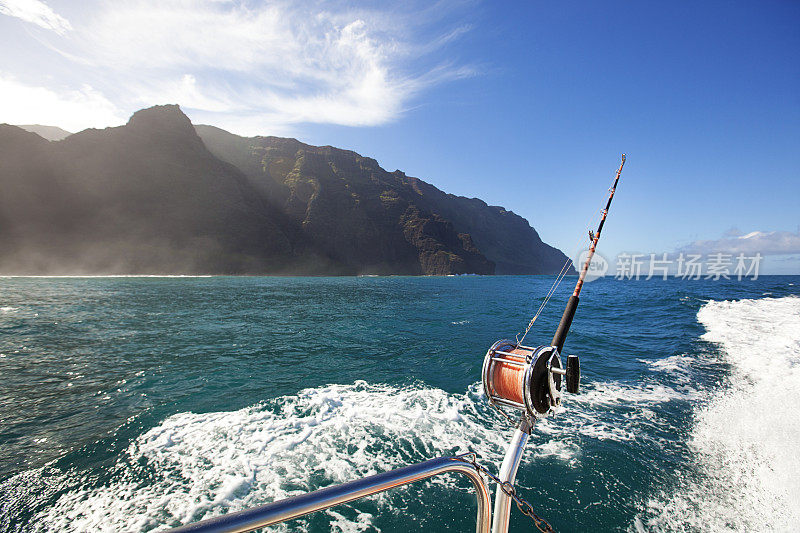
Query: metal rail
(297, 506)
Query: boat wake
(201, 465)
(198, 465)
(746, 437)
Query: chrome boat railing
(297, 506)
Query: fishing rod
(572, 303)
(528, 379)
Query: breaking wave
(746, 436)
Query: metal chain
(510, 490)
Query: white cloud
(72, 109)
(262, 66)
(734, 242)
(36, 12)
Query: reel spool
(525, 378)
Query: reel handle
(573, 374)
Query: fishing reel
(527, 379)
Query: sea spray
(746, 438)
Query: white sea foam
(8, 309)
(680, 363)
(609, 411)
(746, 438)
(677, 367)
(211, 463)
(608, 393)
(205, 464)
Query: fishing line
(561, 275)
(530, 379)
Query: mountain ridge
(161, 195)
(512, 244)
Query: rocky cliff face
(504, 237)
(153, 196)
(147, 197)
(350, 207)
(337, 195)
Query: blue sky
(526, 105)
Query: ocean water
(134, 404)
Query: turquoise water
(139, 403)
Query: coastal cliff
(159, 195)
